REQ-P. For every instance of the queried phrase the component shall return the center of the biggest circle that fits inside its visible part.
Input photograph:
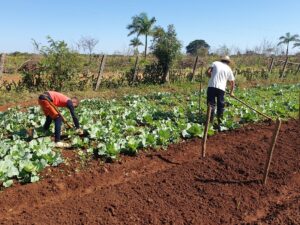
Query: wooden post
(2, 60)
(135, 69)
(298, 69)
(194, 68)
(271, 65)
(271, 150)
(206, 130)
(284, 67)
(200, 93)
(101, 68)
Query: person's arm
(231, 87)
(72, 111)
(209, 71)
(231, 81)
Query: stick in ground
(271, 150)
(206, 130)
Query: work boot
(61, 144)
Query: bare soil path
(170, 187)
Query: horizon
(238, 25)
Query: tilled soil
(176, 186)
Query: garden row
(127, 125)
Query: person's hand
(231, 94)
(79, 131)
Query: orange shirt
(59, 99)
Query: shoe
(62, 145)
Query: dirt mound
(170, 187)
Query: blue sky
(240, 23)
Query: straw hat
(225, 58)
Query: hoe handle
(63, 118)
(246, 104)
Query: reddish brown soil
(21, 104)
(171, 187)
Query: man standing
(58, 100)
(219, 74)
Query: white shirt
(220, 74)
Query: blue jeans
(212, 95)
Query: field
(125, 134)
(139, 162)
(170, 187)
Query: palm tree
(141, 25)
(297, 44)
(287, 39)
(135, 43)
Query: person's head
(225, 59)
(75, 101)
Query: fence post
(298, 69)
(2, 60)
(200, 93)
(194, 68)
(135, 69)
(101, 68)
(284, 67)
(271, 65)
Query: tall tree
(142, 25)
(197, 46)
(135, 43)
(166, 47)
(287, 39)
(297, 44)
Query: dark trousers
(57, 122)
(212, 95)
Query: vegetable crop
(127, 125)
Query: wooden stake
(101, 68)
(135, 69)
(200, 93)
(206, 130)
(2, 59)
(284, 67)
(271, 65)
(271, 150)
(298, 69)
(194, 68)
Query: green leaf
(8, 183)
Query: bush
(58, 69)
(166, 47)
(60, 66)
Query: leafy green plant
(127, 126)
(166, 47)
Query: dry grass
(15, 98)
